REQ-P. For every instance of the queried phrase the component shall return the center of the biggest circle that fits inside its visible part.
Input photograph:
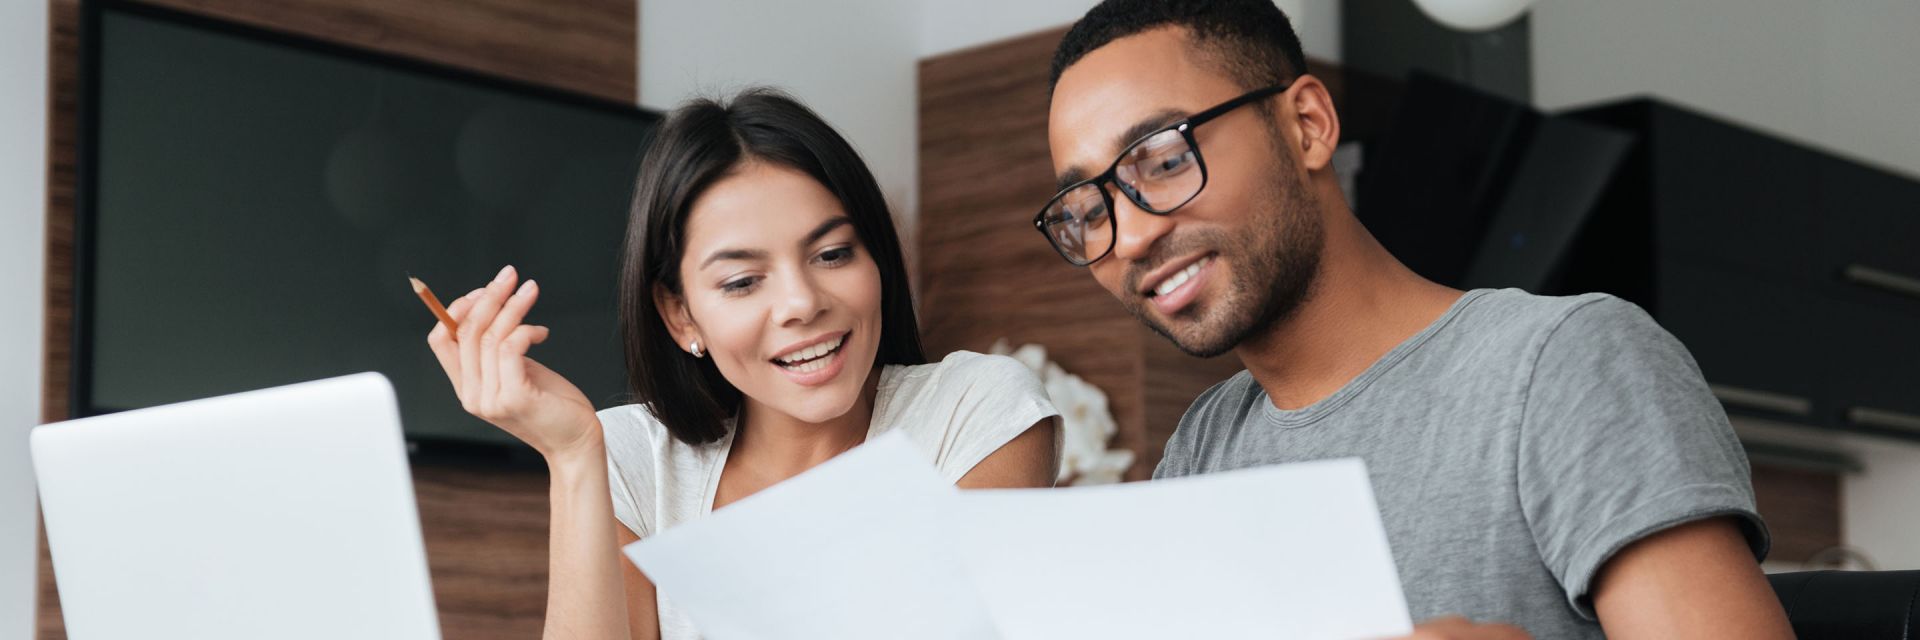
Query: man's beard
(1274, 264)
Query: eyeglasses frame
(1109, 177)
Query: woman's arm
(1026, 461)
(586, 596)
(488, 365)
(643, 617)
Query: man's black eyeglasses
(1159, 172)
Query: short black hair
(697, 145)
(1251, 40)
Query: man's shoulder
(1517, 310)
(1226, 402)
(1588, 326)
(1510, 326)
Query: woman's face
(779, 291)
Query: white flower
(1086, 424)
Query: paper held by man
(873, 544)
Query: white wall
(1836, 75)
(1880, 508)
(23, 198)
(1833, 75)
(851, 60)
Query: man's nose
(1136, 229)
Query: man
(1553, 463)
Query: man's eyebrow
(1150, 124)
(1070, 176)
(1153, 122)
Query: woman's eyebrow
(825, 228)
(733, 254)
(755, 254)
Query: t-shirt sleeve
(630, 462)
(992, 400)
(1620, 438)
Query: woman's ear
(679, 321)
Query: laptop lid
(281, 513)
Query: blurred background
(200, 197)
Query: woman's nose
(801, 301)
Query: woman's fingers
(441, 341)
(504, 324)
(475, 379)
(513, 353)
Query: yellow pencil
(433, 304)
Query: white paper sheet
(1294, 551)
(873, 544)
(851, 549)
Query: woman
(767, 328)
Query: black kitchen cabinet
(1791, 274)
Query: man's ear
(679, 321)
(1312, 124)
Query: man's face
(1240, 256)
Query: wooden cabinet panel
(580, 45)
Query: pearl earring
(695, 348)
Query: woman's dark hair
(697, 145)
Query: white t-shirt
(957, 411)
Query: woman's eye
(738, 286)
(836, 256)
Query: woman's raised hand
(497, 382)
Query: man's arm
(1695, 580)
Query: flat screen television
(251, 204)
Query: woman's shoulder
(969, 365)
(975, 382)
(964, 407)
(631, 430)
(631, 422)
(960, 371)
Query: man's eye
(1168, 164)
(1095, 216)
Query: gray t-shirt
(1515, 445)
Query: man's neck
(1362, 304)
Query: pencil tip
(417, 284)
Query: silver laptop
(281, 513)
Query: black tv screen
(252, 204)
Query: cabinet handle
(1883, 280)
(1885, 419)
(1763, 400)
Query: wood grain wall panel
(62, 128)
(581, 45)
(485, 528)
(486, 536)
(1802, 510)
